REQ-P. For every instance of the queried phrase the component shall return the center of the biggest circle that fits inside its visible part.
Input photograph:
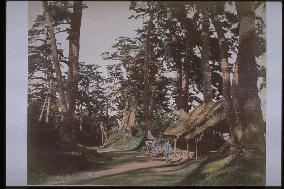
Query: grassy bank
(227, 171)
(118, 141)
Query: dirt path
(128, 168)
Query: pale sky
(102, 23)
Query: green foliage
(127, 143)
(117, 140)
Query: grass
(128, 143)
(118, 141)
(228, 172)
(45, 164)
(216, 165)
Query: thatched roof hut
(204, 116)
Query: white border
(274, 89)
(16, 92)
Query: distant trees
(125, 91)
(93, 105)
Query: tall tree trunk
(185, 89)
(206, 79)
(73, 72)
(249, 101)
(187, 24)
(146, 69)
(182, 86)
(55, 60)
(125, 116)
(74, 48)
(81, 116)
(129, 117)
(43, 107)
(226, 84)
(179, 82)
(181, 76)
(67, 136)
(132, 116)
(237, 130)
(48, 100)
(68, 105)
(107, 113)
(155, 82)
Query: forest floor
(106, 166)
(124, 168)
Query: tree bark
(187, 24)
(182, 75)
(74, 48)
(48, 101)
(226, 84)
(67, 136)
(146, 68)
(249, 101)
(55, 60)
(43, 107)
(67, 102)
(179, 87)
(185, 91)
(67, 131)
(125, 116)
(129, 117)
(206, 78)
(132, 116)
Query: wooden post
(175, 145)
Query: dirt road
(129, 168)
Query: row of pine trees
(180, 57)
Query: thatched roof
(204, 116)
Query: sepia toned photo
(146, 93)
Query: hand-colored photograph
(146, 93)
